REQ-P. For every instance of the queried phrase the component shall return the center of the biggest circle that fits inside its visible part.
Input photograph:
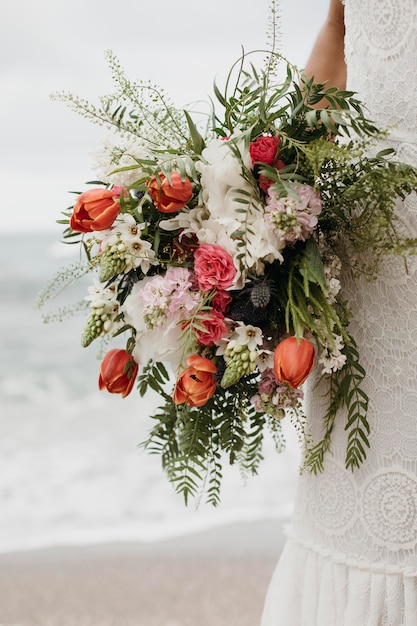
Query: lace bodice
(370, 516)
(381, 55)
(351, 558)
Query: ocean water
(71, 471)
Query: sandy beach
(214, 578)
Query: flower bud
(294, 361)
(167, 196)
(118, 372)
(95, 209)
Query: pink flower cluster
(293, 217)
(179, 294)
(166, 296)
(273, 396)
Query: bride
(351, 555)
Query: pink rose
(264, 150)
(118, 191)
(215, 327)
(214, 267)
(221, 301)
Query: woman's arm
(327, 59)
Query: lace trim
(339, 558)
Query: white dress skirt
(351, 554)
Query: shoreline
(216, 577)
(153, 539)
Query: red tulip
(294, 360)
(95, 209)
(118, 372)
(197, 384)
(167, 196)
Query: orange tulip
(167, 196)
(95, 209)
(118, 372)
(197, 384)
(294, 360)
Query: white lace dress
(351, 555)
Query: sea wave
(71, 469)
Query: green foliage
(62, 280)
(345, 392)
(63, 313)
(359, 199)
(153, 376)
(139, 109)
(193, 442)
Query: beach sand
(218, 577)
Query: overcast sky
(51, 46)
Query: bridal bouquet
(215, 246)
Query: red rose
(118, 372)
(167, 196)
(197, 384)
(214, 267)
(215, 327)
(264, 150)
(221, 301)
(264, 182)
(294, 360)
(95, 209)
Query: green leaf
(197, 139)
(312, 265)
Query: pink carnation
(214, 267)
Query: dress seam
(338, 558)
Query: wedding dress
(351, 554)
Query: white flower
(263, 244)
(127, 227)
(159, 344)
(103, 299)
(188, 220)
(331, 358)
(222, 345)
(225, 192)
(139, 253)
(221, 177)
(250, 336)
(126, 240)
(265, 360)
(116, 152)
(333, 288)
